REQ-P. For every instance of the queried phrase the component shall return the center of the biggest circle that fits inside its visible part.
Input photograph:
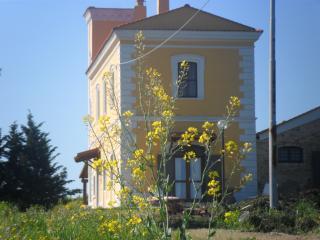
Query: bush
(294, 216)
(307, 216)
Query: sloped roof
(87, 155)
(299, 120)
(174, 19)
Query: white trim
(194, 46)
(248, 112)
(163, 34)
(125, 34)
(244, 120)
(102, 55)
(127, 100)
(200, 73)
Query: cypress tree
(30, 174)
(12, 170)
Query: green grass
(72, 221)
(69, 221)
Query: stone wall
(291, 177)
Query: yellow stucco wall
(97, 79)
(221, 77)
(221, 80)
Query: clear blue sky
(43, 54)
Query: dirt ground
(200, 234)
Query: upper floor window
(97, 102)
(189, 86)
(193, 85)
(290, 155)
(104, 97)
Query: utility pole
(273, 192)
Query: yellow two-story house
(220, 53)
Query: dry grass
(200, 234)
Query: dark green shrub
(306, 216)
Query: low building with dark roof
(298, 154)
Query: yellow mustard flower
(184, 64)
(167, 114)
(204, 138)
(127, 114)
(104, 121)
(140, 202)
(214, 184)
(207, 126)
(231, 147)
(247, 147)
(188, 136)
(138, 174)
(189, 155)
(234, 102)
(138, 153)
(134, 220)
(113, 226)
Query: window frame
(200, 61)
(188, 181)
(98, 100)
(104, 94)
(288, 148)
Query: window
(112, 90)
(112, 172)
(187, 178)
(189, 88)
(193, 85)
(94, 185)
(104, 97)
(104, 180)
(290, 155)
(97, 102)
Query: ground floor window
(290, 155)
(187, 178)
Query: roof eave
(156, 34)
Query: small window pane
(180, 169)
(194, 187)
(195, 170)
(290, 154)
(180, 190)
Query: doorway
(316, 169)
(187, 178)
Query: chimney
(163, 6)
(140, 10)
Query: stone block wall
(292, 177)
